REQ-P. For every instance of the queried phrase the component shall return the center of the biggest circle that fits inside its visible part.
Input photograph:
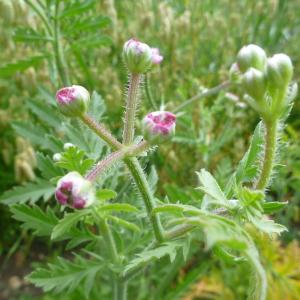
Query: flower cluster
(73, 101)
(265, 80)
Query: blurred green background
(199, 40)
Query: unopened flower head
(68, 146)
(159, 125)
(279, 70)
(251, 56)
(73, 101)
(156, 57)
(75, 191)
(254, 82)
(137, 56)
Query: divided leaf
(30, 192)
(33, 218)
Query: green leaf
(47, 166)
(268, 226)
(210, 187)
(247, 168)
(42, 223)
(67, 222)
(145, 257)
(33, 133)
(45, 112)
(272, 207)
(74, 9)
(117, 207)
(65, 276)
(31, 191)
(74, 159)
(11, 69)
(106, 194)
(129, 225)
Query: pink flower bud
(75, 191)
(156, 57)
(159, 125)
(137, 56)
(73, 101)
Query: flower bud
(137, 56)
(254, 83)
(75, 191)
(73, 101)
(57, 157)
(279, 70)
(251, 56)
(159, 126)
(156, 57)
(68, 146)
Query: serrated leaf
(272, 207)
(47, 166)
(74, 159)
(30, 192)
(34, 134)
(210, 187)
(76, 8)
(268, 226)
(11, 69)
(145, 257)
(45, 112)
(67, 222)
(33, 218)
(247, 168)
(65, 276)
(105, 194)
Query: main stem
(142, 184)
(269, 155)
(131, 105)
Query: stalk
(269, 155)
(142, 184)
(102, 132)
(131, 105)
(114, 157)
(210, 92)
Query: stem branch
(210, 92)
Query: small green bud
(137, 56)
(279, 70)
(254, 83)
(73, 101)
(251, 56)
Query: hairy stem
(210, 92)
(269, 154)
(143, 186)
(102, 132)
(59, 55)
(114, 157)
(136, 172)
(131, 105)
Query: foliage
(212, 134)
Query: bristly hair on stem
(131, 108)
